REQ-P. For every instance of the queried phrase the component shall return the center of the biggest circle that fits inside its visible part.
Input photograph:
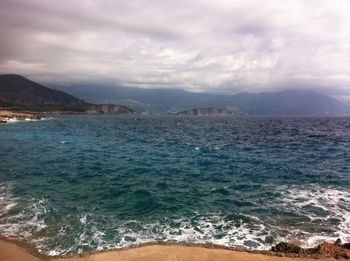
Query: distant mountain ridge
(22, 94)
(19, 93)
(150, 101)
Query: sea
(73, 184)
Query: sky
(223, 46)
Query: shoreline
(12, 249)
(7, 116)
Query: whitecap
(333, 203)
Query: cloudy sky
(204, 45)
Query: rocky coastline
(336, 250)
(11, 116)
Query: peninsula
(21, 98)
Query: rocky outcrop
(346, 246)
(287, 248)
(112, 109)
(333, 250)
(10, 116)
(336, 249)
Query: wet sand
(11, 251)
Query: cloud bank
(200, 45)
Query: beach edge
(11, 249)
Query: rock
(336, 250)
(337, 242)
(328, 249)
(287, 248)
(111, 109)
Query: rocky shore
(336, 250)
(10, 116)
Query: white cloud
(196, 45)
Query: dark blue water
(83, 183)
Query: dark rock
(337, 242)
(287, 248)
(346, 246)
(336, 250)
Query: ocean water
(83, 183)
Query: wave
(57, 233)
(16, 120)
(327, 207)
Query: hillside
(287, 102)
(19, 93)
(17, 90)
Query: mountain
(17, 90)
(19, 93)
(287, 102)
(139, 99)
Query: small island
(209, 111)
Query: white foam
(333, 203)
(12, 120)
(7, 201)
(249, 232)
(54, 252)
(83, 219)
(15, 120)
(20, 224)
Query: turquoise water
(82, 183)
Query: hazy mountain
(141, 100)
(287, 102)
(19, 93)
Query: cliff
(208, 112)
(111, 109)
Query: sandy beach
(10, 250)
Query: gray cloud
(216, 46)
